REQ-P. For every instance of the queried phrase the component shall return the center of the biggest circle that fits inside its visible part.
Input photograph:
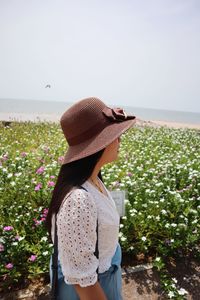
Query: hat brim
(97, 142)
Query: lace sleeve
(76, 223)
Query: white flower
(12, 183)
(18, 174)
(157, 259)
(44, 239)
(45, 253)
(126, 201)
(15, 243)
(131, 248)
(143, 238)
(182, 291)
(174, 280)
(120, 234)
(123, 238)
(171, 294)
(195, 221)
(9, 175)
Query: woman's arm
(92, 292)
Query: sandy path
(56, 117)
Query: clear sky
(139, 53)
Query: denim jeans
(110, 281)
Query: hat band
(91, 132)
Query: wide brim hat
(90, 125)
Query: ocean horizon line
(126, 106)
(47, 107)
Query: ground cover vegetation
(158, 167)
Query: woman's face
(111, 152)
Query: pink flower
(1, 247)
(23, 154)
(45, 211)
(50, 183)
(37, 222)
(38, 187)
(41, 160)
(52, 176)
(8, 228)
(40, 170)
(9, 266)
(5, 157)
(46, 149)
(32, 257)
(60, 159)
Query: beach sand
(22, 117)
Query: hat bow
(116, 114)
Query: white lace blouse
(76, 226)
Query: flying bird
(48, 86)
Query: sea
(54, 108)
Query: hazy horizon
(112, 104)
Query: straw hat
(90, 125)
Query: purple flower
(50, 183)
(1, 247)
(40, 170)
(8, 228)
(32, 257)
(9, 266)
(130, 174)
(38, 187)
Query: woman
(87, 220)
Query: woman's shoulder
(78, 196)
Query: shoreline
(23, 117)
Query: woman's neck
(95, 172)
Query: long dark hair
(70, 175)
